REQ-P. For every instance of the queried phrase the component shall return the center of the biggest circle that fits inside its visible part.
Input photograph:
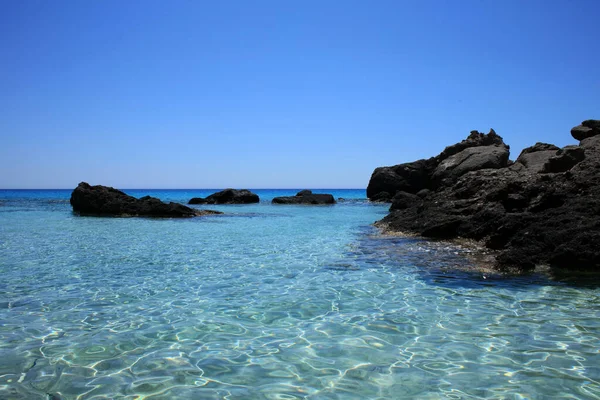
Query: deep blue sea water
(274, 302)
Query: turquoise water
(273, 302)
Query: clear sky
(280, 94)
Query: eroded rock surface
(477, 151)
(543, 209)
(536, 156)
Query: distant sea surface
(274, 302)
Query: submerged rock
(106, 201)
(305, 197)
(228, 196)
(542, 210)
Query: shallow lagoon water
(274, 302)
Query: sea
(275, 302)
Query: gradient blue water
(273, 302)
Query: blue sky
(280, 94)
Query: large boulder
(105, 201)
(535, 157)
(228, 196)
(470, 159)
(587, 129)
(305, 197)
(477, 151)
(564, 159)
(409, 177)
(542, 210)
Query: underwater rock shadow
(448, 264)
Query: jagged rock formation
(305, 197)
(478, 151)
(228, 196)
(542, 209)
(104, 201)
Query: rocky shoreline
(541, 209)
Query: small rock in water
(305, 197)
(228, 196)
(104, 201)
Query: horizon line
(247, 188)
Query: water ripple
(310, 304)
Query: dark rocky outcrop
(305, 197)
(404, 200)
(106, 201)
(475, 139)
(408, 177)
(564, 159)
(470, 159)
(228, 196)
(587, 129)
(381, 197)
(477, 151)
(536, 156)
(544, 209)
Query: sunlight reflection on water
(277, 302)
